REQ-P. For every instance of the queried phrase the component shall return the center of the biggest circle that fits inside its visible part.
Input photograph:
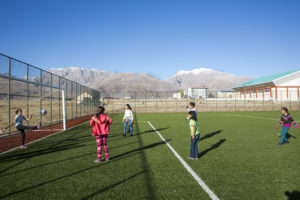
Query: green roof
(266, 79)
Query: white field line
(187, 167)
(253, 117)
(41, 139)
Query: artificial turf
(239, 159)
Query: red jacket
(103, 127)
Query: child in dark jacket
(286, 120)
(100, 123)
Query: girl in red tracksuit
(100, 123)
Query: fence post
(51, 96)
(27, 102)
(9, 82)
(41, 96)
(145, 102)
(59, 118)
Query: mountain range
(128, 81)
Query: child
(18, 121)
(287, 122)
(195, 135)
(191, 107)
(100, 123)
(128, 118)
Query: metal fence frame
(162, 101)
(87, 99)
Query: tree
(181, 93)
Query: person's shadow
(295, 195)
(211, 148)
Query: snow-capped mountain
(206, 77)
(112, 82)
(127, 81)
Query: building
(283, 87)
(176, 95)
(229, 94)
(197, 93)
(83, 97)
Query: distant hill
(112, 82)
(127, 81)
(206, 77)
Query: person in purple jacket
(287, 121)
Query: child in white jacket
(128, 119)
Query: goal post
(63, 96)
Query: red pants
(101, 141)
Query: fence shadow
(211, 148)
(113, 185)
(210, 135)
(151, 131)
(294, 195)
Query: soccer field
(239, 159)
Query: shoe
(280, 143)
(98, 160)
(196, 158)
(287, 142)
(131, 135)
(39, 125)
(107, 159)
(23, 147)
(189, 157)
(124, 135)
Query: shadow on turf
(139, 149)
(114, 185)
(62, 177)
(295, 195)
(150, 131)
(211, 148)
(19, 155)
(210, 135)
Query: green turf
(239, 159)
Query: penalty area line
(187, 167)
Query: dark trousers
(194, 147)
(22, 129)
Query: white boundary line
(187, 167)
(40, 139)
(253, 117)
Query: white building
(227, 94)
(176, 95)
(197, 93)
(282, 87)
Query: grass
(239, 159)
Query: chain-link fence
(32, 89)
(216, 101)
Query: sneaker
(287, 142)
(97, 160)
(124, 135)
(196, 158)
(189, 157)
(131, 135)
(280, 143)
(39, 125)
(107, 159)
(23, 147)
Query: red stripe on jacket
(103, 127)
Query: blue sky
(248, 38)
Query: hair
(18, 110)
(128, 106)
(285, 109)
(193, 114)
(192, 104)
(100, 111)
